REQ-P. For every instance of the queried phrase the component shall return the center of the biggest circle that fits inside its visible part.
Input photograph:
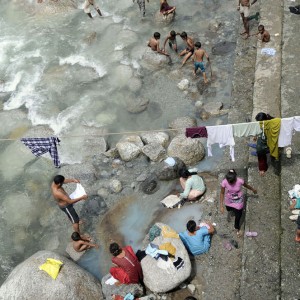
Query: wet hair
(198, 45)
(184, 173)
(172, 33)
(156, 35)
(190, 298)
(261, 27)
(59, 179)
(263, 117)
(75, 236)
(115, 249)
(183, 34)
(231, 176)
(191, 226)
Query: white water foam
(82, 61)
(11, 86)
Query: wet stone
(150, 185)
(94, 206)
(154, 110)
(223, 48)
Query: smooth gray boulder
(152, 60)
(161, 138)
(27, 281)
(180, 124)
(136, 105)
(155, 152)
(122, 290)
(164, 171)
(189, 150)
(160, 280)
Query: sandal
(293, 217)
(251, 233)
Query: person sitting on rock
(154, 44)
(165, 8)
(82, 243)
(197, 239)
(264, 34)
(128, 269)
(87, 8)
(192, 184)
(189, 51)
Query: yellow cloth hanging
(271, 130)
(52, 267)
(168, 247)
(168, 232)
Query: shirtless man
(154, 44)
(264, 34)
(64, 202)
(82, 243)
(87, 8)
(189, 51)
(244, 8)
(198, 60)
(172, 41)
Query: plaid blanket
(40, 146)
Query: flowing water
(63, 72)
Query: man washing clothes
(64, 202)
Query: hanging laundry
(168, 232)
(286, 132)
(222, 134)
(168, 247)
(296, 123)
(40, 146)
(196, 132)
(246, 129)
(271, 129)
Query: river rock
(159, 280)
(103, 192)
(213, 108)
(54, 7)
(112, 153)
(122, 75)
(189, 150)
(115, 186)
(214, 25)
(161, 138)
(90, 38)
(166, 172)
(180, 124)
(94, 206)
(122, 290)
(26, 281)
(223, 48)
(154, 151)
(134, 84)
(150, 185)
(183, 84)
(136, 104)
(204, 115)
(129, 147)
(152, 60)
(160, 18)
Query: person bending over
(82, 243)
(264, 34)
(197, 239)
(128, 269)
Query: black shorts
(298, 223)
(71, 213)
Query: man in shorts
(189, 50)
(64, 202)
(172, 41)
(198, 60)
(244, 8)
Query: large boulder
(153, 60)
(122, 290)
(180, 124)
(27, 281)
(129, 147)
(160, 280)
(189, 150)
(136, 104)
(161, 138)
(161, 19)
(154, 151)
(164, 171)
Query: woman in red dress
(128, 269)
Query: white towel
(170, 201)
(268, 51)
(79, 191)
(222, 134)
(286, 132)
(111, 280)
(297, 123)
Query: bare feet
(206, 81)
(262, 173)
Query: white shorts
(245, 10)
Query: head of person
(173, 34)
(59, 180)
(191, 226)
(231, 176)
(190, 298)
(115, 249)
(261, 28)
(75, 236)
(156, 35)
(184, 173)
(183, 35)
(263, 117)
(198, 45)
